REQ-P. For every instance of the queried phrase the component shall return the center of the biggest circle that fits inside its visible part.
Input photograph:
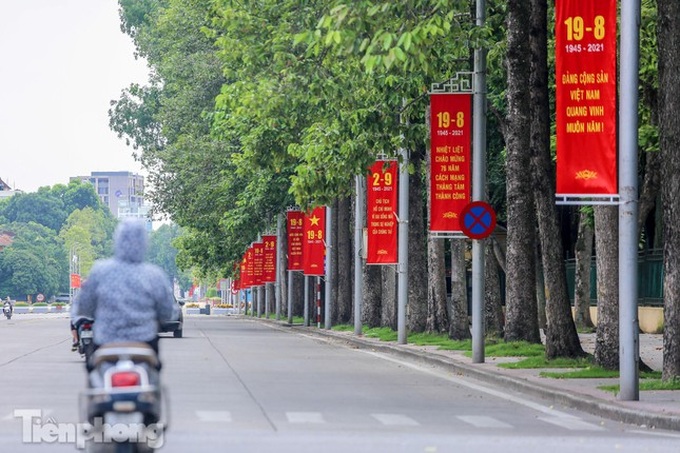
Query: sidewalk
(658, 409)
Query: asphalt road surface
(240, 385)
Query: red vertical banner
(244, 271)
(75, 280)
(250, 267)
(585, 66)
(314, 242)
(295, 226)
(381, 219)
(450, 138)
(269, 263)
(258, 263)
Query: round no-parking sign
(478, 220)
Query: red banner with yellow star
(314, 242)
(381, 204)
(585, 66)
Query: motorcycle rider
(7, 304)
(126, 296)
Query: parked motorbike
(85, 337)
(7, 310)
(124, 404)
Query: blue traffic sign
(478, 220)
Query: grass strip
(595, 372)
(646, 384)
(542, 362)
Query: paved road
(238, 385)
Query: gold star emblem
(314, 221)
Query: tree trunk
(561, 337)
(540, 289)
(372, 303)
(493, 307)
(437, 316)
(298, 294)
(650, 189)
(584, 258)
(282, 269)
(668, 27)
(388, 316)
(521, 319)
(607, 251)
(437, 304)
(417, 247)
(334, 266)
(345, 271)
(459, 326)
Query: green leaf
(387, 40)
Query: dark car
(176, 323)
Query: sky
(61, 63)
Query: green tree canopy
(163, 253)
(88, 235)
(36, 262)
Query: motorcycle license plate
(86, 334)
(129, 418)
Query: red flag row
(306, 250)
(258, 265)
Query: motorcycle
(85, 337)
(7, 310)
(123, 404)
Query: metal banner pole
(306, 309)
(358, 243)
(402, 278)
(290, 297)
(279, 271)
(478, 190)
(329, 260)
(629, 348)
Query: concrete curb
(607, 409)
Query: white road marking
(395, 420)
(489, 391)
(214, 416)
(572, 423)
(654, 433)
(480, 421)
(305, 417)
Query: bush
(191, 305)
(40, 304)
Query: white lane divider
(480, 421)
(214, 416)
(305, 417)
(395, 420)
(571, 423)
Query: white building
(121, 191)
(6, 191)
